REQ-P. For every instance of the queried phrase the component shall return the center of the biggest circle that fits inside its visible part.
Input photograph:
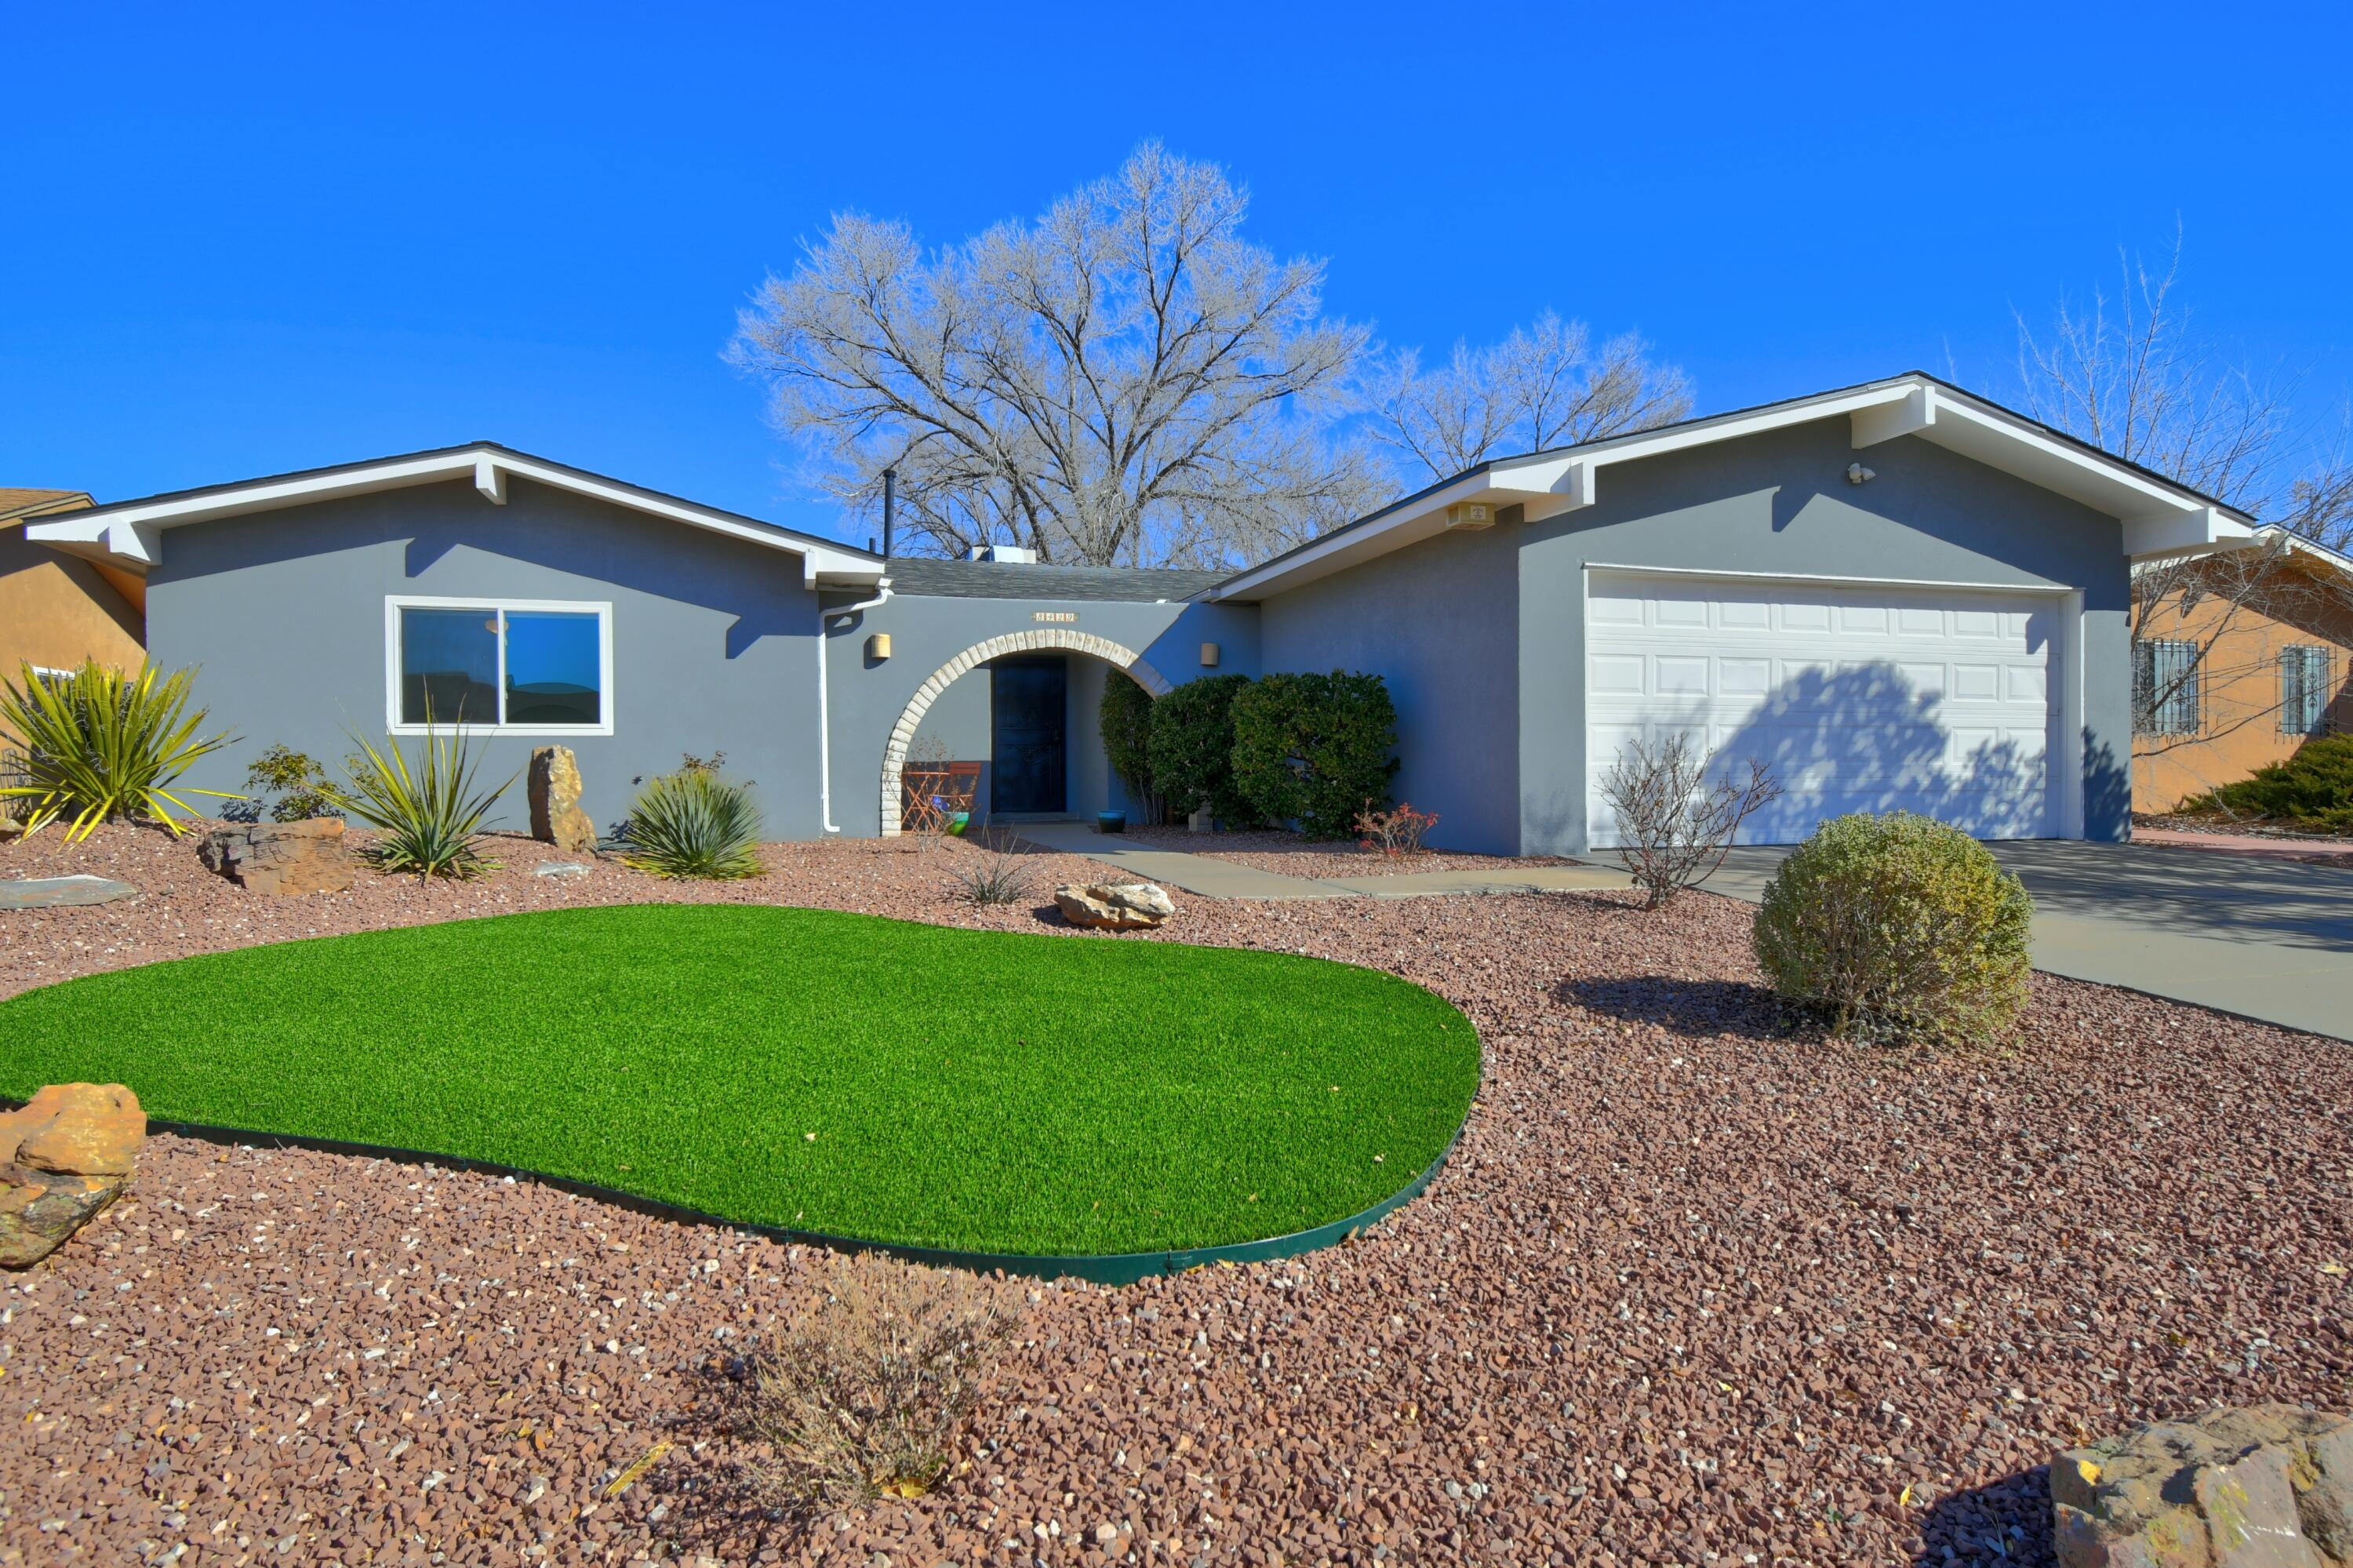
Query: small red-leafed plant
(1396, 833)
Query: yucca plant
(693, 823)
(425, 817)
(100, 746)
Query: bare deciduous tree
(1542, 386)
(1675, 822)
(1124, 379)
(2128, 374)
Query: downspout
(824, 730)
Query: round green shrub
(1124, 718)
(1897, 926)
(1192, 750)
(1315, 750)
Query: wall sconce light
(1209, 655)
(877, 647)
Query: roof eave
(129, 533)
(2158, 517)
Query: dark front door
(1027, 754)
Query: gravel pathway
(1698, 1286)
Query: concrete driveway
(2269, 938)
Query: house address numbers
(1055, 615)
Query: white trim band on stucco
(902, 733)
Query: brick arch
(902, 733)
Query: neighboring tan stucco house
(2237, 662)
(58, 609)
(1896, 594)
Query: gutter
(824, 727)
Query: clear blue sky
(241, 241)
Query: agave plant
(693, 823)
(100, 745)
(426, 816)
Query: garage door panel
(1856, 698)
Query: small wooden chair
(930, 794)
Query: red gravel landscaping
(1697, 1286)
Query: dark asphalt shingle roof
(926, 578)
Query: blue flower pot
(1111, 822)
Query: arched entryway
(902, 733)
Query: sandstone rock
(559, 868)
(2270, 1486)
(281, 857)
(64, 1156)
(1113, 906)
(75, 1129)
(555, 814)
(10, 828)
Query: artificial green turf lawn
(968, 1089)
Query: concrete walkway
(1210, 877)
(2256, 936)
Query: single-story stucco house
(1896, 594)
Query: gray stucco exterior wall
(284, 613)
(1439, 623)
(1780, 503)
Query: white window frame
(395, 603)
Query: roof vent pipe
(890, 510)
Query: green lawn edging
(1096, 1268)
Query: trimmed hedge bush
(1897, 925)
(2312, 790)
(1192, 750)
(1124, 718)
(1315, 750)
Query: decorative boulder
(66, 1155)
(10, 828)
(2270, 1486)
(555, 814)
(1113, 906)
(281, 857)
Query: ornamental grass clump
(862, 1394)
(425, 816)
(100, 746)
(694, 825)
(1897, 926)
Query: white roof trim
(130, 535)
(2158, 518)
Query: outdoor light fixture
(877, 647)
(1858, 475)
(1209, 655)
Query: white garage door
(1934, 700)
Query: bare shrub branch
(1674, 824)
(863, 1395)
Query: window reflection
(449, 666)
(554, 668)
